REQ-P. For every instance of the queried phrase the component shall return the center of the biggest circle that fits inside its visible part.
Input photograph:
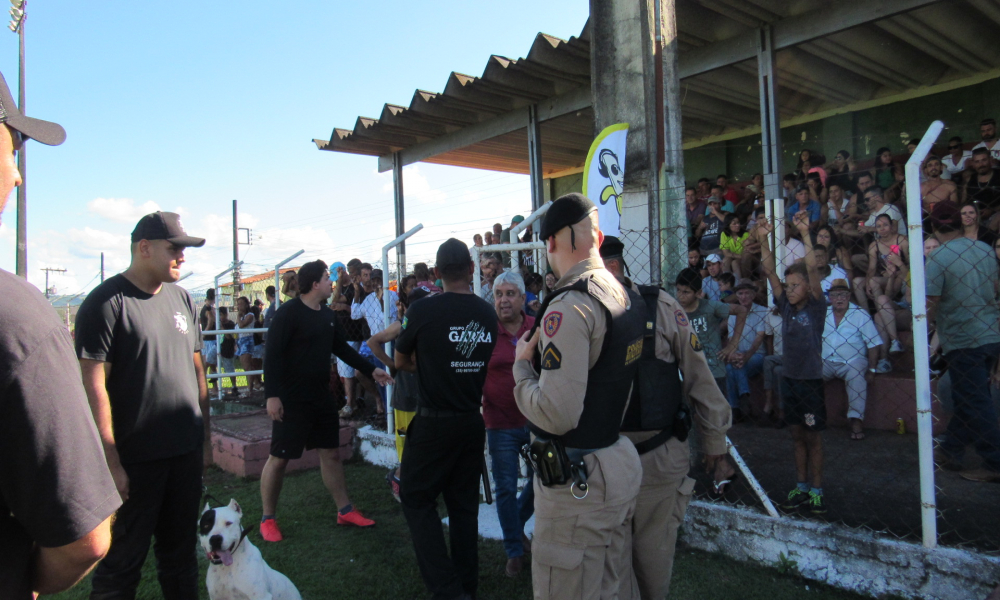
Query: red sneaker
(270, 532)
(354, 518)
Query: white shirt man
(850, 351)
(371, 309)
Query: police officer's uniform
(578, 396)
(666, 489)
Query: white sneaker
(894, 347)
(884, 366)
(346, 411)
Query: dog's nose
(215, 542)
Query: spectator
(490, 269)
(850, 352)
(731, 244)
(288, 288)
(748, 360)
(718, 192)
(972, 226)
(957, 160)
(841, 172)
(934, 189)
(803, 312)
(139, 353)
(804, 164)
(227, 351)
(838, 255)
(840, 208)
(366, 306)
(497, 231)
(983, 186)
(488, 238)
(550, 282)
(533, 287)
(817, 191)
(707, 317)
(788, 185)
(704, 189)
(894, 305)
(303, 413)
(506, 428)
(988, 132)
(695, 209)
(56, 495)
(728, 193)
(756, 187)
(407, 285)
(477, 240)
(257, 362)
(710, 229)
(697, 262)
(961, 289)
(887, 174)
(829, 273)
(269, 293)
(209, 345)
(710, 283)
(886, 242)
(505, 235)
(878, 205)
(244, 342)
(726, 284)
(804, 202)
(354, 330)
(772, 367)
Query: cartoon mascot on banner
(604, 176)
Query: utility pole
(18, 17)
(47, 271)
(102, 267)
(236, 255)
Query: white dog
(238, 572)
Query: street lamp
(18, 16)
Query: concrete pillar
(634, 80)
(770, 122)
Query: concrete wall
(861, 132)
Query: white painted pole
(277, 277)
(517, 229)
(477, 278)
(754, 484)
(390, 418)
(921, 359)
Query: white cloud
(121, 210)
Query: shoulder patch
(681, 318)
(405, 322)
(552, 322)
(551, 357)
(695, 343)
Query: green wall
(860, 132)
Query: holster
(552, 463)
(682, 422)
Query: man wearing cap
(140, 352)
(57, 497)
(447, 340)
(589, 344)
(505, 239)
(850, 351)
(961, 284)
(710, 228)
(666, 458)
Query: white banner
(604, 175)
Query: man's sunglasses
(954, 147)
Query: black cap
(946, 213)
(453, 252)
(164, 226)
(565, 211)
(45, 132)
(612, 246)
(418, 293)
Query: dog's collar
(243, 536)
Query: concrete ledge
(855, 560)
(377, 447)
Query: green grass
(329, 562)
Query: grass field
(329, 562)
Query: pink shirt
(499, 407)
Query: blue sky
(187, 106)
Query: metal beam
(770, 122)
(535, 158)
(795, 30)
(516, 119)
(397, 202)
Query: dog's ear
(206, 509)
(234, 505)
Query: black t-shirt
(206, 313)
(987, 193)
(54, 482)
(355, 330)
(297, 354)
(453, 335)
(150, 341)
(711, 237)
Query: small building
(253, 287)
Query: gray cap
(48, 133)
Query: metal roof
(831, 55)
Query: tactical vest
(657, 394)
(611, 377)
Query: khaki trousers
(580, 545)
(663, 498)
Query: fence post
(277, 277)
(390, 418)
(515, 257)
(921, 360)
(218, 337)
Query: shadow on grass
(330, 562)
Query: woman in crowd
(973, 228)
(873, 284)
(244, 343)
(887, 174)
(731, 244)
(839, 255)
(550, 281)
(697, 262)
(841, 172)
(817, 191)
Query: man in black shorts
(56, 494)
(297, 385)
(448, 340)
(139, 346)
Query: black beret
(612, 246)
(565, 211)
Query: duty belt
(557, 465)
(424, 411)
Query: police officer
(658, 426)
(587, 477)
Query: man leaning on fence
(587, 476)
(962, 279)
(657, 421)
